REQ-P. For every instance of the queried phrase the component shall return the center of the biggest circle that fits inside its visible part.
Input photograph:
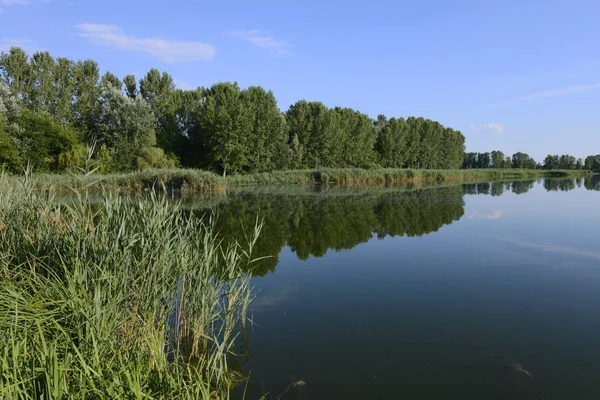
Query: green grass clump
(126, 298)
(193, 180)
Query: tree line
(497, 159)
(53, 110)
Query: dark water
(437, 293)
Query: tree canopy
(52, 109)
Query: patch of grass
(193, 181)
(121, 298)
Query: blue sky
(511, 75)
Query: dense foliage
(592, 163)
(51, 110)
(497, 159)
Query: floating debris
(298, 383)
(519, 368)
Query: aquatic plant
(127, 297)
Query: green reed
(120, 297)
(194, 181)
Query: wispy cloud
(561, 92)
(8, 3)
(262, 39)
(13, 2)
(182, 84)
(166, 50)
(486, 215)
(264, 302)
(494, 128)
(551, 93)
(565, 250)
(25, 44)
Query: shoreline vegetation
(192, 180)
(128, 297)
(58, 115)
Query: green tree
(42, 93)
(64, 91)
(225, 121)
(16, 73)
(194, 151)
(41, 140)
(567, 162)
(497, 159)
(159, 92)
(88, 92)
(470, 160)
(130, 86)
(9, 157)
(592, 163)
(268, 136)
(551, 162)
(523, 161)
(357, 138)
(484, 160)
(317, 131)
(127, 127)
(111, 80)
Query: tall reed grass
(191, 180)
(126, 298)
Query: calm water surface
(486, 291)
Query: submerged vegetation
(125, 298)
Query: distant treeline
(497, 159)
(53, 110)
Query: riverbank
(193, 180)
(127, 297)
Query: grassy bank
(190, 180)
(128, 298)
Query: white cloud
(551, 93)
(565, 250)
(8, 3)
(561, 92)
(25, 44)
(491, 215)
(165, 50)
(13, 2)
(494, 128)
(262, 39)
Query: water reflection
(498, 188)
(499, 307)
(592, 183)
(314, 221)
